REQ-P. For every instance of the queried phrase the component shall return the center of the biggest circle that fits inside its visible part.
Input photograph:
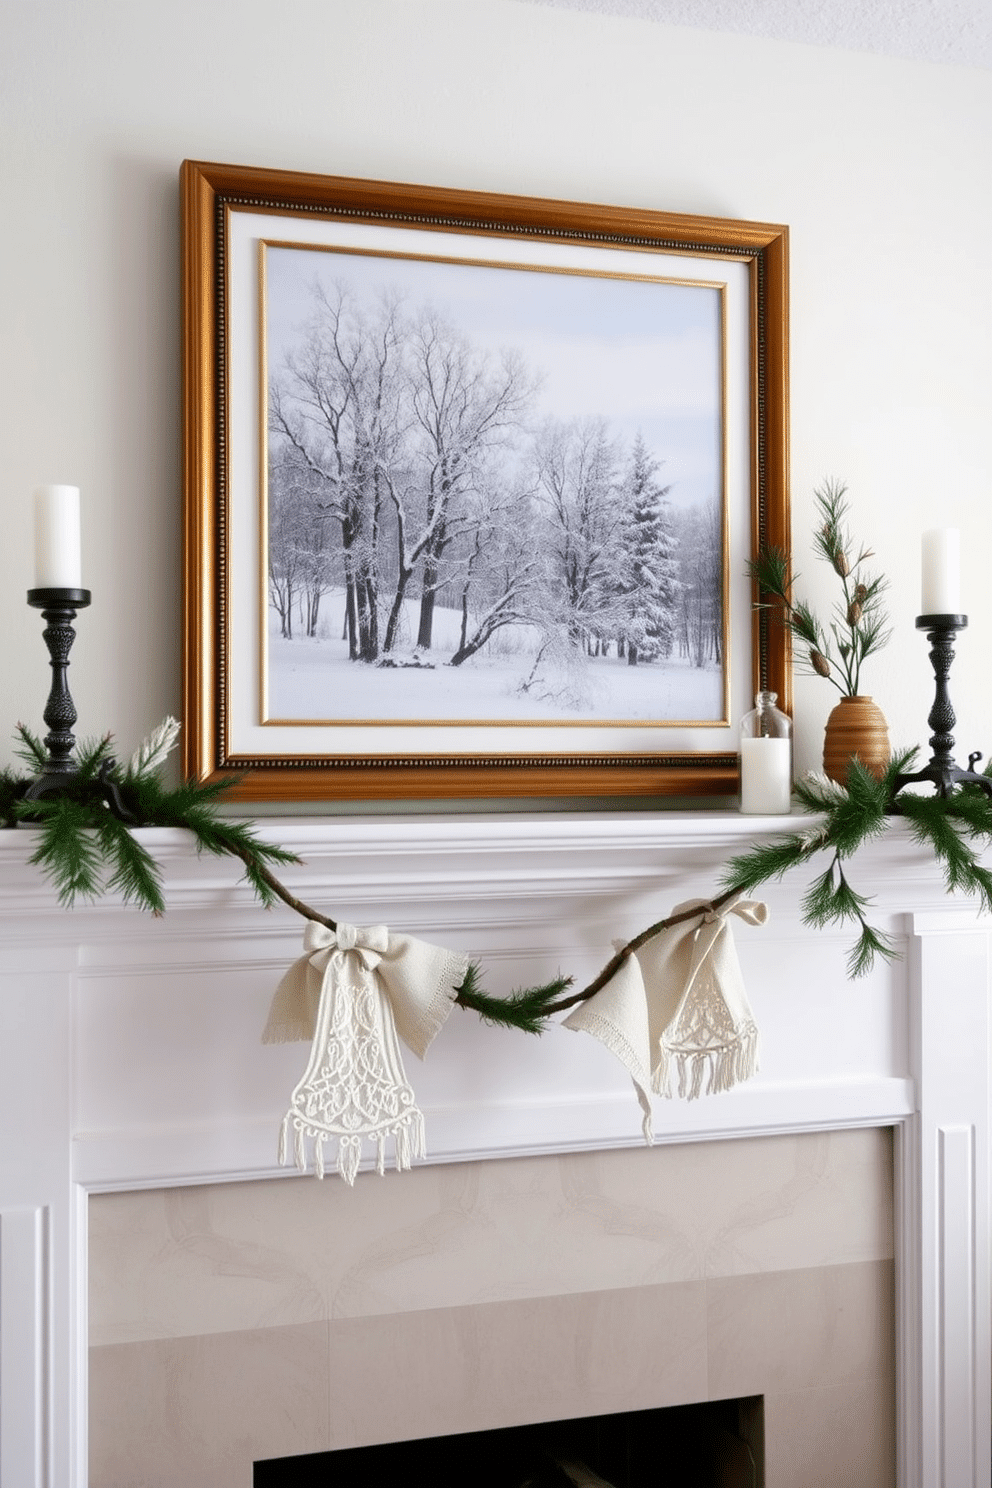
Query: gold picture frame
(235, 221)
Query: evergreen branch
(91, 755)
(155, 805)
(192, 807)
(931, 824)
(847, 818)
(973, 808)
(899, 764)
(136, 876)
(770, 571)
(267, 895)
(875, 633)
(859, 627)
(870, 943)
(830, 900)
(865, 812)
(80, 841)
(530, 1007)
(526, 1009)
(67, 850)
(10, 794)
(805, 626)
(747, 871)
(30, 748)
(981, 884)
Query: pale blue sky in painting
(643, 354)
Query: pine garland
(851, 817)
(858, 625)
(85, 849)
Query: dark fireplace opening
(716, 1444)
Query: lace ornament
(675, 1013)
(355, 993)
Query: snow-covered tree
(338, 403)
(300, 555)
(467, 406)
(649, 577)
(700, 532)
(579, 528)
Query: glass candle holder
(766, 759)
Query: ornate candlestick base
(60, 774)
(942, 772)
(58, 606)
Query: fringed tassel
(349, 1158)
(409, 1141)
(697, 1072)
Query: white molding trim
(25, 1349)
(945, 1237)
(237, 1152)
(956, 1372)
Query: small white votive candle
(941, 588)
(766, 777)
(57, 548)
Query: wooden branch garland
(466, 997)
(280, 890)
(84, 852)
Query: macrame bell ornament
(356, 993)
(675, 1012)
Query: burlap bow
(355, 993)
(675, 1013)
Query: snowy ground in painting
(313, 679)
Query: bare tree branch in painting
(580, 523)
(339, 402)
(464, 411)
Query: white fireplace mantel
(130, 1057)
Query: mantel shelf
(420, 862)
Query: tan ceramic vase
(856, 726)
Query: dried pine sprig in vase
(858, 627)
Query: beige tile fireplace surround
(172, 1306)
(240, 1321)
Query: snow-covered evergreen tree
(650, 581)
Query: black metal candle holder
(58, 607)
(60, 774)
(942, 772)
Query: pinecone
(854, 612)
(819, 662)
(841, 564)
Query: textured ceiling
(957, 32)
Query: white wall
(881, 169)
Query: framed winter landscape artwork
(471, 484)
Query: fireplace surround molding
(130, 1057)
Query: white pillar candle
(57, 560)
(941, 593)
(766, 777)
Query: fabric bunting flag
(356, 993)
(675, 1013)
